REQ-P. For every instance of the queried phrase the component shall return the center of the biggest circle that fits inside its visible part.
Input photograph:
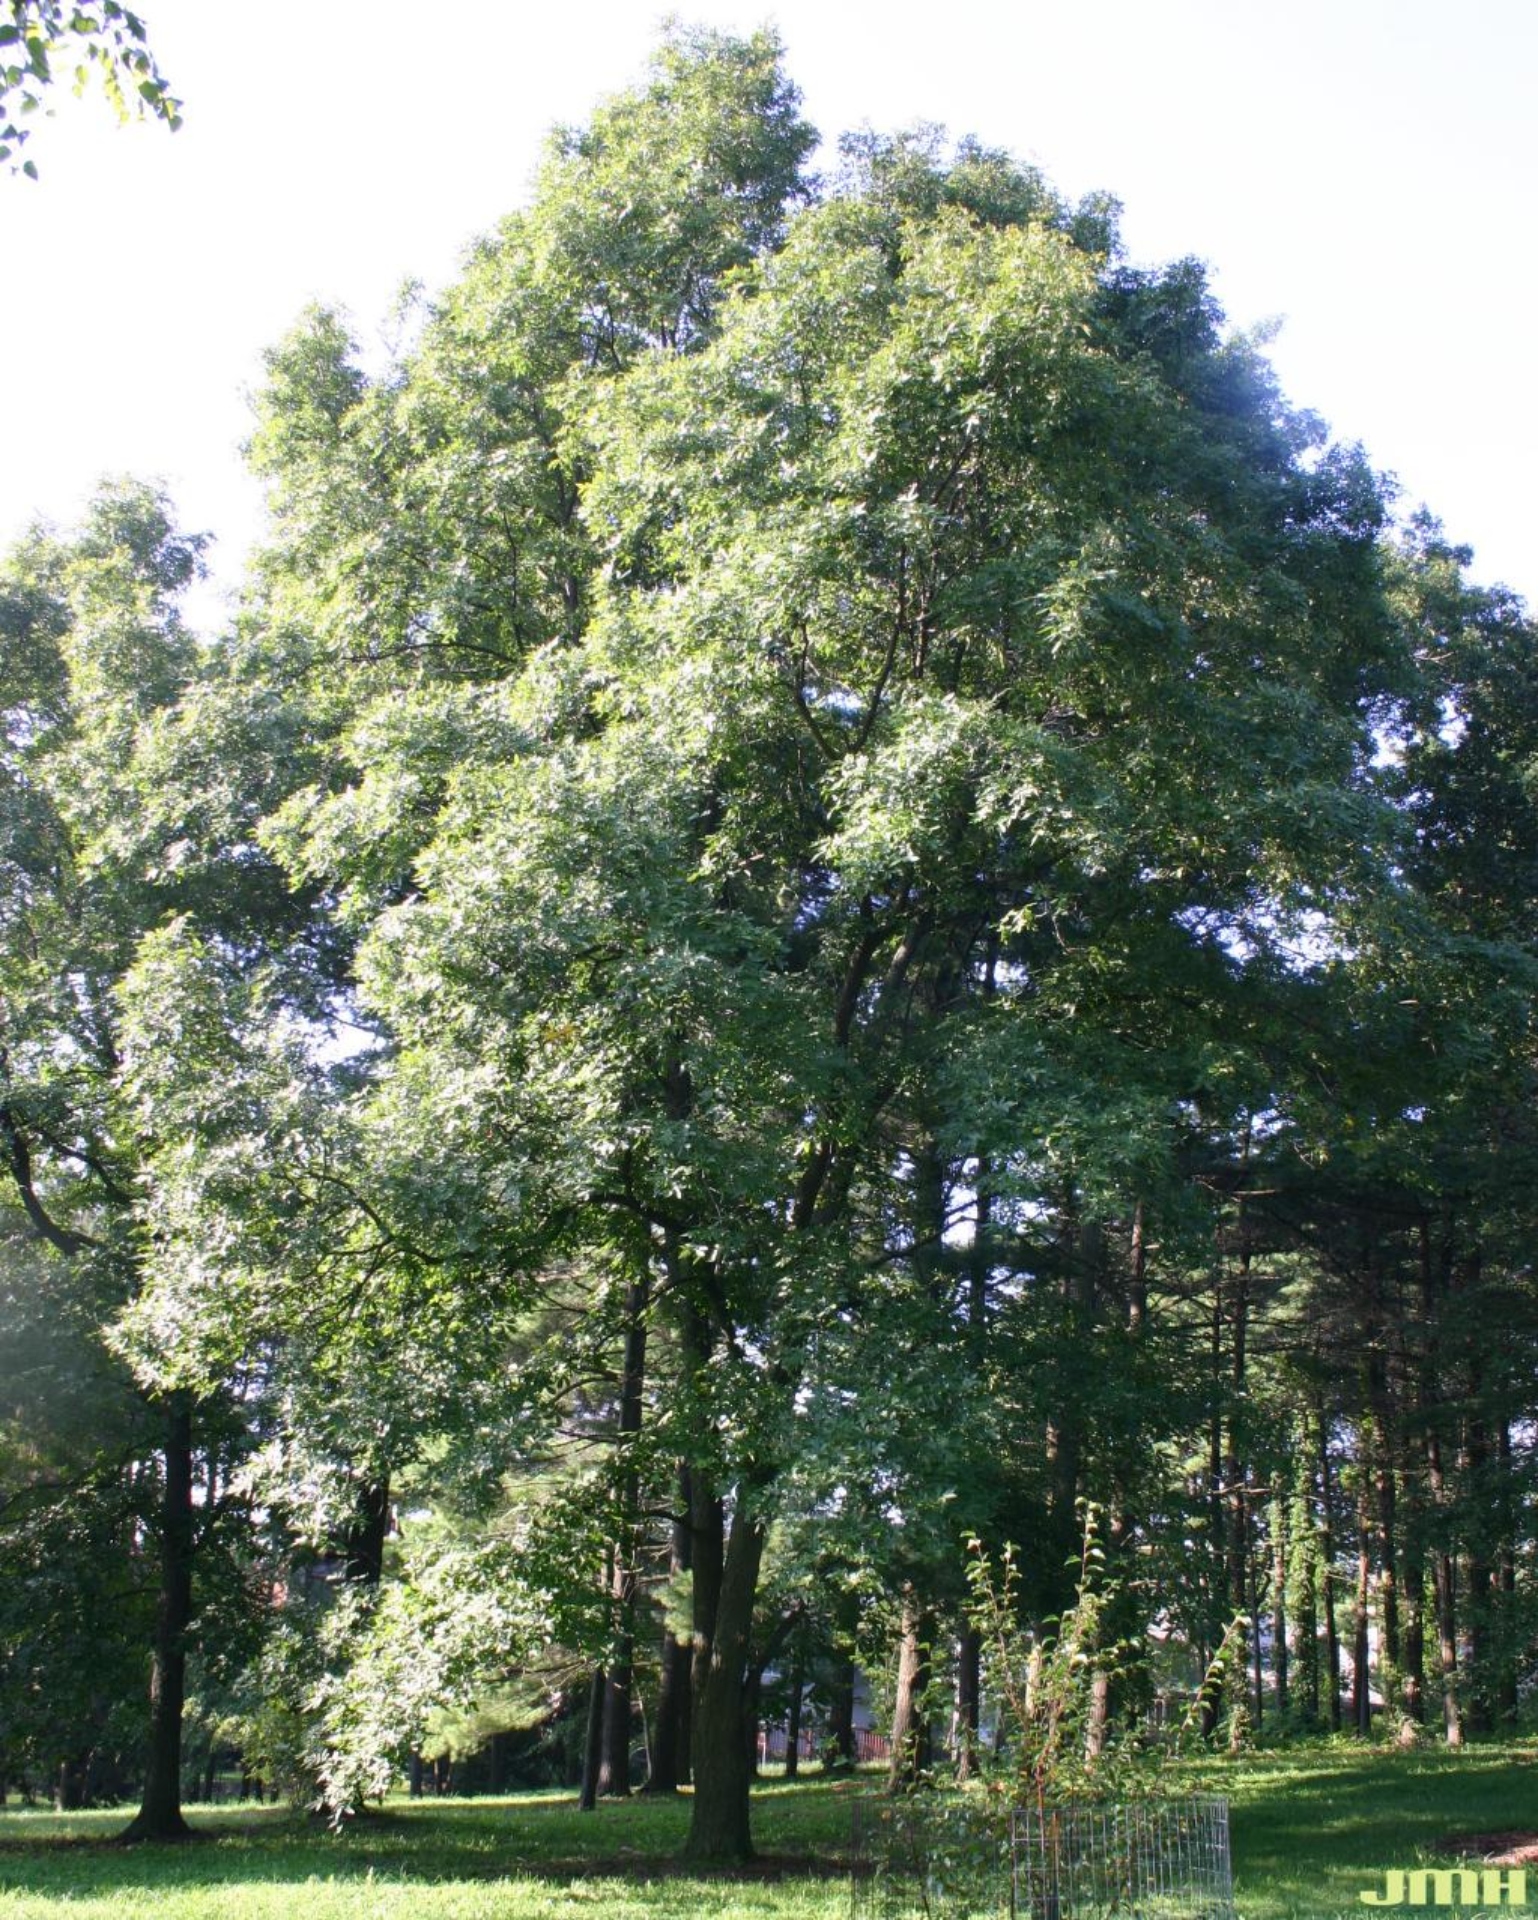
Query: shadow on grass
(1310, 1829)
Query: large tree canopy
(839, 688)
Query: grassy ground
(1310, 1830)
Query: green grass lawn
(1311, 1828)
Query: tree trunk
(69, 1785)
(614, 1736)
(793, 1720)
(1279, 1571)
(1443, 1580)
(1327, 1572)
(160, 1811)
(1235, 1490)
(1361, 1696)
(614, 1765)
(719, 1829)
(365, 1542)
(910, 1727)
(752, 1714)
(1445, 1594)
(841, 1755)
(1383, 1424)
(1413, 1599)
(670, 1740)
(1506, 1581)
(592, 1742)
(969, 1690)
(1099, 1714)
(1304, 1609)
(1476, 1465)
(970, 1647)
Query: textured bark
(160, 1811)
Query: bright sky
(1367, 169)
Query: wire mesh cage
(925, 1856)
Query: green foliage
(100, 36)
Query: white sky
(1366, 168)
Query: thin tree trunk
(1279, 1572)
(1327, 1572)
(1305, 1573)
(1476, 1465)
(1252, 1606)
(1413, 1601)
(1445, 1594)
(1506, 1580)
(841, 1745)
(670, 1742)
(1443, 1578)
(614, 1766)
(969, 1689)
(1212, 1703)
(592, 1743)
(1388, 1529)
(909, 1758)
(160, 1810)
(1236, 1492)
(970, 1647)
(1361, 1696)
(1099, 1714)
(793, 1719)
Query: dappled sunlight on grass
(1311, 1828)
